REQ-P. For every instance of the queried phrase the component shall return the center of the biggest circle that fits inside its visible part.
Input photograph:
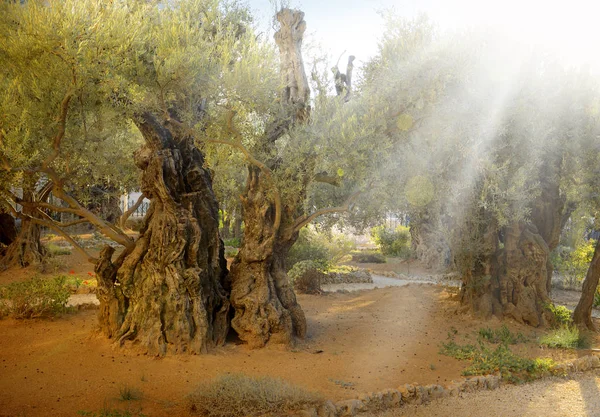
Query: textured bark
(167, 293)
(582, 316)
(289, 40)
(26, 249)
(266, 310)
(513, 280)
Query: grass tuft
(127, 393)
(566, 337)
(239, 395)
(501, 335)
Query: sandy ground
(554, 397)
(359, 341)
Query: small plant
(565, 337)
(597, 299)
(35, 297)
(127, 393)
(501, 335)
(233, 242)
(240, 395)
(502, 360)
(562, 315)
(231, 252)
(306, 276)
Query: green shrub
(368, 257)
(306, 276)
(231, 252)
(597, 298)
(234, 242)
(561, 314)
(56, 250)
(565, 337)
(394, 242)
(240, 396)
(35, 297)
(501, 335)
(322, 247)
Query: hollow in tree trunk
(582, 316)
(26, 249)
(266, 310)
(167, 292)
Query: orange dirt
(357, 342)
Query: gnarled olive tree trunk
(167, 292)
(266, 310)
(26, 248)
(511, 281)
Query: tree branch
(125, 216)
(304, 220)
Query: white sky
(570, 27)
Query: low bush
(306, 276)
(321, 247)
(565, 337)
(56, 250)
(127, 393)
(392, 242)
(368, 257)
(35, 297)
(240, 395)
(561, 315)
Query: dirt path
(579, 397)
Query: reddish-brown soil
(357, 342)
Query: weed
(240, 395)
(127, 393)
(368, 257)
(565, 337)
(501, 335)
(501, 359)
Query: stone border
(422, 394)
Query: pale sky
(570, 27)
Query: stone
(327, 409)
(349, 407)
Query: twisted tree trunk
(513, 280)
(265, 305)
(26, 249)
(266, 310)
(167, 292)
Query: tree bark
(513, 280)
(582, 316)
(167, 293)
(266, 310)
(26, 249)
